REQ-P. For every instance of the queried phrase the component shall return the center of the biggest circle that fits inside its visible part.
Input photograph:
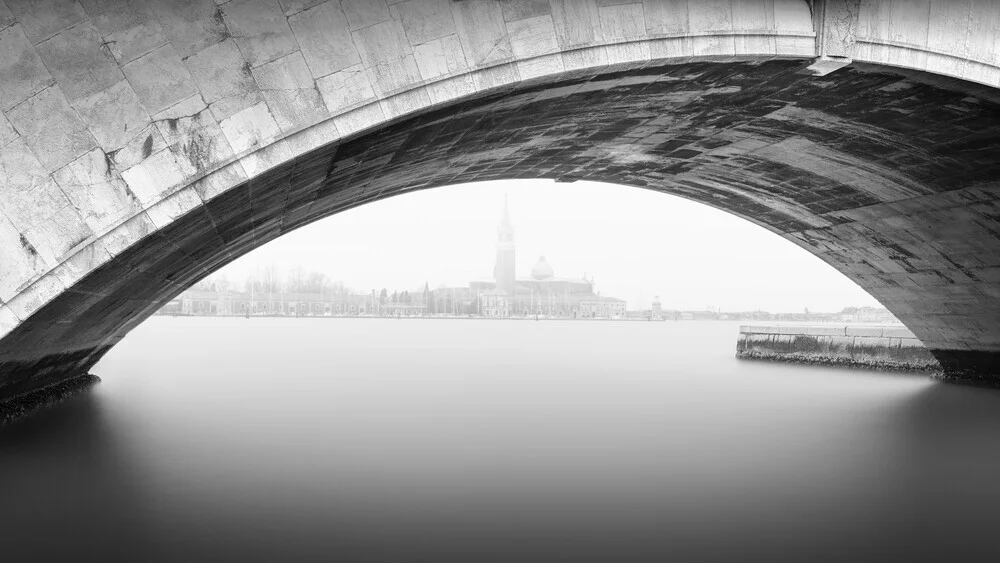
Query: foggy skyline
(634, 243)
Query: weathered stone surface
(260, 29)
(424, 21)
(42, 19)
(22, 69)
(7, 133)
(887, 174)
(223, 78)
(160, 79)
(114, 115)
(97, 191)
(29, 195)
(190, 25)
(325, 39)
(129, 27)
(291, 92)
(79, 61)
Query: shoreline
(20, 407)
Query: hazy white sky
(635, 243)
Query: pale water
(369, 440)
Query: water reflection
(495, 442)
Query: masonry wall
(876, 347)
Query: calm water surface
(479, 441)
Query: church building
(542, 293)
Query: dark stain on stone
(172, 123)
(147, 147)
(109, 162)
(27, 246)
(197, 151)
(222, 30)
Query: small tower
(503, 271)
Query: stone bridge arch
(145, 143)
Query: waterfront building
(541, 293)
(493, 304)
(227, 303)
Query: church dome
(541, 269)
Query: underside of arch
(889, 175)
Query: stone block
(538, 67)
(451, 89)
(7, 318)
(578, 23)
(52, 128)
(713, 16)
(359, 119)
(7, 18)
(533, 37)
(114, 116)
(516, 10)
(220, 181)
(622, 22)
(42, 19)
(585, 58)
(28, 195)
(266, 158)
(22, 69)
(666, 18)
(365, 13)
(292, 7)
(260, 29)
(495, 77)
(190, 25)
(394, 76)
(291, 92)
(81, 263)
(128, 233)
(97, 191)
(325, 39)
(424, 21)
(59, 234)
(628, 55)
(483, 33)
(250, 129)
(79, 62)
(163, 212)
(312, 137)
(382, 43)
(160, 79)
(197, 142)
(440, 57)
(223, 78)
(146, 143)
(35, 296)
(129, 27)
(7, 133)
(346, 89)
(19, 261)
(405, 102)
(154, 177)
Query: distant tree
(317, 282)
(295, 279)
(383, 297)
(395, 296)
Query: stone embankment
(871, 347)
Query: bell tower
(503, 271)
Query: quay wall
(872, 347)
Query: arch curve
(134, 166)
